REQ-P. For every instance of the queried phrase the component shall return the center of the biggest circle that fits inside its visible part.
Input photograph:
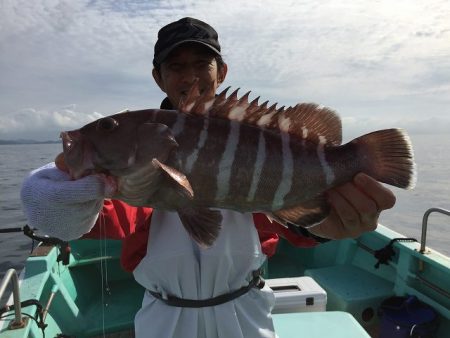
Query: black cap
(182, 31)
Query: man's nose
(190, 73)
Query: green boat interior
(93, 296)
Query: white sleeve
(61, 207)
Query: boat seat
(352, 289)
(333, 324)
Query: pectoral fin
(306, 214)
(202, 224)
(179, 178)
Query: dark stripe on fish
(188, 139)
(271, 175)
(244, 165)
(205, 171)
(308, 171)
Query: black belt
(256, 282)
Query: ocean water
(432, 190)
(16, 161)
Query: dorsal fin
(307, 121)
(194, 103)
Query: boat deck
(95, 296)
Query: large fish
(228, 153)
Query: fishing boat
(378, 285)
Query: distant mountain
(22, 141)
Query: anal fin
(307, 214)
(202, 224)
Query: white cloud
(34, 122)
(380, 60)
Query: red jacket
(131, 224)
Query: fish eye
(107, 124)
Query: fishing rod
(64, 248)
(10, 230)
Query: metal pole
(12, 274)
(427, 213)
(49, 302)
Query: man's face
(185, 64)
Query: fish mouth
(77, 154)
(68, 143)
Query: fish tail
(388, 157)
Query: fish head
(118, 145)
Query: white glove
(59, 206)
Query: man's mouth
(185, 92)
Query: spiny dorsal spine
(305, 120)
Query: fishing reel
(64, 247)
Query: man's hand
(59, 206)
(356, 207)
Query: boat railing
(427, 213)
(11, 275)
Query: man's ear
(222, 73)
(157, 76)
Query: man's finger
(383, 197)
(344, 210)
(361, 202)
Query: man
(192, 292)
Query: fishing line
(107, 288)
(102, 257)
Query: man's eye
(203, 64)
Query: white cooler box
(299, 294)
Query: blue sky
(377, 63)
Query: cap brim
(163, 55)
